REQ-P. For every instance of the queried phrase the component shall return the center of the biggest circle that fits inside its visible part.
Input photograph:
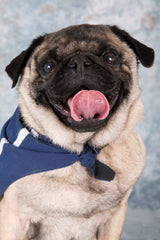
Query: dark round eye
(110, 57)
(49, 67)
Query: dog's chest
(71, 191)
(73, 210)
(69, 203)
(71, 228)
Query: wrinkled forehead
(82, 37)
(88, 38)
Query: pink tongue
(89, 104)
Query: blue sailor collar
(22, 154)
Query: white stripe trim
(2, 142)
(21, 136)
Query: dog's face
(82, 73)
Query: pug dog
(70, 155)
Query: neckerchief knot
(88, 156)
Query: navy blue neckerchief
(22, 154)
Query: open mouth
(85, 104)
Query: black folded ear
(16, 66)
(143, 53)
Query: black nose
(79, 62)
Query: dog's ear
(16, 66)
(143, 53)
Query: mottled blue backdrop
(21, 21)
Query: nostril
(87, 63)
(73, 65)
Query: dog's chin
(86, 125)
(62, 110)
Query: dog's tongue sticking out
(88, 104)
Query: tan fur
(68, 203)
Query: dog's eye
(49, 67)
(110, 57)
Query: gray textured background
(21, 21)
